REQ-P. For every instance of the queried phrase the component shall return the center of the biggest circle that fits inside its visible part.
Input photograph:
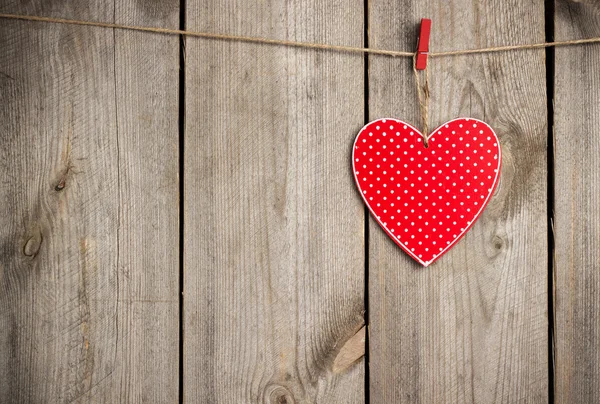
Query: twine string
(208, 35)
(307, 45)
(423, 94)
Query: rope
(423, 94)
(308, 45)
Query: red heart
(426, 199)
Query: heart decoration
(426, 198)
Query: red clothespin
(423, 45)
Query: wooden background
(178, 219)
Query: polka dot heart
(426, 199)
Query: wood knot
(64, 176)
(351, 351)
(32, 245)
(276, 394)
(60, 186)
(498, 242)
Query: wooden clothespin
(423, 44)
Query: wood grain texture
(473, 326)
(577, 205)
(89, 272)
(274, 229)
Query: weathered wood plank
(89, 272)
(473, 326)
(274, 243)
(577, 205)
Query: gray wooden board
(274, 257)
(577, 205)
(89, 272)
(274, 229)
(473, 326)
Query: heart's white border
(433, 133)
